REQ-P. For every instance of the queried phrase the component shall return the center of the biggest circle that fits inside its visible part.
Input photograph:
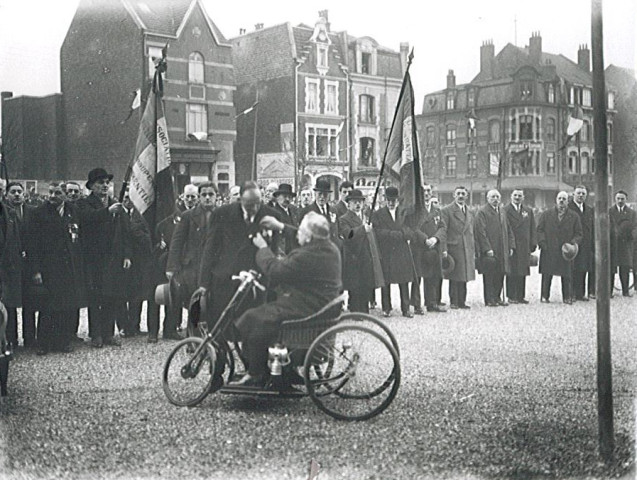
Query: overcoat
(623, 232)
(332, 218)
(395, 253)
(522, 225)
(292, 217)
(164, 232)
(585, 260)
(427, 224)
(492, 232)
(145, 273)
(358, 273)
(551, 235)
(460, 242)
(54, 249)
(11, 259)
(340, 208)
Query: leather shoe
(436, 309)
(581, 299)
(419, 311)
(545, 300)
(454, 306)
(442, 304)
(491, 304)
(592, 296)
(524, 301)
(249, 381)
(627, 294)
(152, 339)
(464, 307)
(502, 304)
(97, 342)
(568, 301)
(514, 301)
(387, 313)
(408, 315)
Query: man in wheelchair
(305, 281)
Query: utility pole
(253, 173)
(602, 241)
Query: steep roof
(620, 78)
(264, 54)
(302, 34)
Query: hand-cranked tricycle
(348, 363)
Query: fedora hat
(391, 192)
(167, 293)
(322, 186)
(284, 188)
(569, 251)
(96, 174)
(448, 264)
(355, 195)
(533, 260)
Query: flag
(137, 101)
(472, 118)
(401, 154)
(150, 182)
(575, 124)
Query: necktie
(61, 210)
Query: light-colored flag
(575, 121)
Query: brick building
(512, 115)
(107, 55)
(325, 103)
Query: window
(494, 131)
(514, 129)
(196, 118)
(331, 97)
(321, 142)
(585, 132)
(431, 136)
(311, 95)
(611, 100)
(494, 163)
(366, 63)
(367, 152)
(450, 166)
(471, 97)
(610, 133)
(472, 165)
(572, 163)
(585, 163)
(550, 129)
(153, 52)
(551, 93)
(366, 113)
(586, 97)
(195, 68)
(451, 104)
(526, 127)
(321, 56)
(451, 135)
(526, 89)
(550, 163)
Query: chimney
(242, 31)
(404, 55)
(584, 57)
(451, 79)
(324, 15)
(535, 48)
(6, 95)
(258, 26)
(487, 54)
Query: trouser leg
(152, 315)
(45, 331)
(404, 297)
(135, 315)
(94, 322)
(591, 282)
(579, 280)
(416, 299)
(439, 290)
(566, 287)
(431, 293)
(623, 278)
(546, 285)
(385, 298)
(512, 287)
(453, 292)
(462, 293)
(487, 284)
(28, 326)
(12, 326)
(498, 283)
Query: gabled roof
(511, 58)
(167, 17)
(302, 34)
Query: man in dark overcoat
(556, 227)
(340, 207)
(394, 238)
(305, 280)
(24, 218)
(495, 244)
(522, 223)
(358, 272)
(321, 206)
(186, 246)
(460, 246)
(623, 232)
(430, 241)
(11, 263)
(584, 263)
(56, 263)
(289, 214)
(107, 254)
(228, 247)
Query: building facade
(108, 54)
(511, 120)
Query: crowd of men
(69, 251)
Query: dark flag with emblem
(149, 176)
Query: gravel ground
(485, 393)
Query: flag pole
(393, 123)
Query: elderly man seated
(305, 280)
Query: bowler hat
(391, 192)
(533, 260)
(96, 174)
(322, 186)
(448, 264)
(284, 188)
(355, 195)
(569, 251)
(167, 293)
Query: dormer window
(366, 63)
(322, 62)
(526, 89)
(451, 102)
(551, 94)
(471, 97)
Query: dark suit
(493, 233)
(331, 217)
(305, 280)
(461, 246)
(584, 263)
(428, 224)
(291, 217)
(552, 233)
(623, 232)
(227, 250)
(340, 208)
(395, 255)
(11, 266)
(522, 225)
